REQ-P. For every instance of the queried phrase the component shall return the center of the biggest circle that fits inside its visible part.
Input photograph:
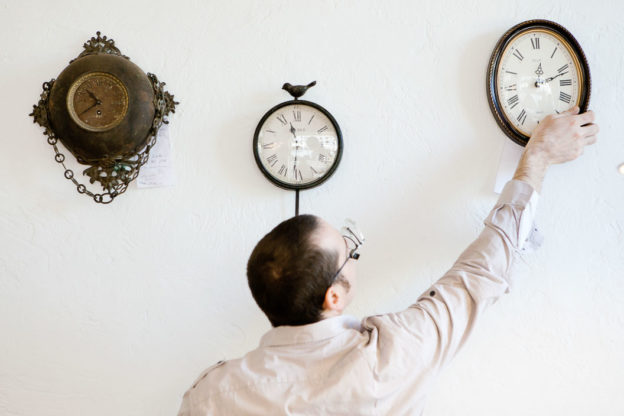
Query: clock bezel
(557, 31)
(287, 185)
(78, 83)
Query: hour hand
(293, 131)
(92, 95)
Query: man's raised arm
(443, 317)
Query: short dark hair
(289, 275)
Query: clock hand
(294, 133)
(558, 75)
(96, 103)
(92, 95)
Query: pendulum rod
(296, 202)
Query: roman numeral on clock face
(565, 97)
(322, 158)
(297, 174)
(564, 82)
(272, 160)
(297, 115)
(282, 119)
(563, 68)
(535, 43)
(321, 130)
(282, 170)
(518, 55)
(522, 117)
(513, 101)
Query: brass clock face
(537, 69)
(97, 101)
(297, 144)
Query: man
(317, 361)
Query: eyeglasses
(354, 239)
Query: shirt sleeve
(430, 332)
(185, 407)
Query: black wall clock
(537, 68)
(297, 144)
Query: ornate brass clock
(106, 111)
(536, 69)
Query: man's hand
(559, 138)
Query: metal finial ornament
(297, 90)
(107, 112)
(99, 44)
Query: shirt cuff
(524, 199)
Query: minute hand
(558, 75)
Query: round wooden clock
(297, 144)
(107, 112)
(537, 68)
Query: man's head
(291, 272)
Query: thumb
(570, 112)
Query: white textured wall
(114, 310)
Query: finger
(586, 118)
(590, 140)
(590, 129)
(572, 111)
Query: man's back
(335, 366)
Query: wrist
(532, 168)
(535, 157)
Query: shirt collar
(300, 334)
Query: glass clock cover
(297, 144)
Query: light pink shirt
(385, 364)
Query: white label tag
(158, 171)
(507, 165)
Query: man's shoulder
(207, 371)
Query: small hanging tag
(158, 171)
(507, 165)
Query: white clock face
(538, 75)
(297, 144)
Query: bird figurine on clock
(537, 68)
(297, 144)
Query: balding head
(291, 269)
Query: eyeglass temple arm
(355, 235)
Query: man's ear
(334, 298)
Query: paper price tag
(158, 171)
